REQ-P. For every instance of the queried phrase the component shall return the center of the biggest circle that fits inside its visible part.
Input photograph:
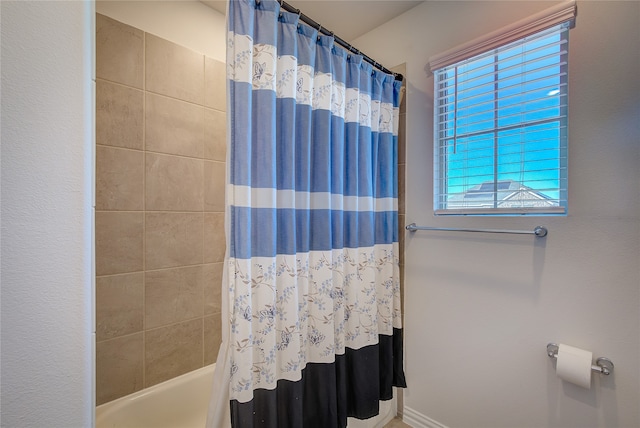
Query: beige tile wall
(160, 134)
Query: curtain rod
(304, 18)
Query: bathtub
(184, 402)
(179, 402)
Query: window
(500, 127)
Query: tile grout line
(203, 136)
(144, 209)
(177, 155)
(160, 211)
(160, 269)
(119, 84)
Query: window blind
(564, 12)
(500, 128)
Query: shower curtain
(311, 300)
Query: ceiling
(348, 19)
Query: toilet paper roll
(574, 365)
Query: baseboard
(418, 420)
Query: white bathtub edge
(106, 410)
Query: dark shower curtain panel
(327, 394)
(312, 275)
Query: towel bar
(539, 231)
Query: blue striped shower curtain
(311, 298)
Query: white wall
(479, 310)
(47, 356)
(188, 23)
(47, 197)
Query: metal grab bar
(539, 231)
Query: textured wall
(47, 198)
(480, 309)
(160, 166)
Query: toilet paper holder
(602, 365)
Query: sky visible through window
(500, 117)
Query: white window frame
(562, 13)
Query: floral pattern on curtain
(312, 275)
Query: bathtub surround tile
(212, 275)
(173, 239)
(214, 186)
(119, 50)
(212, 337)
(402, 145)
(401, 189)
(402, 232)
(118, 242)
(173, 70)
(173, 183)
(119, 115)
(119, 178)
(173, 126)
(214, 237)
(160, 163)
(172, 350)
(215, 135)
(119, 367)
(119, 303)
(173, 295)
(215, 84)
